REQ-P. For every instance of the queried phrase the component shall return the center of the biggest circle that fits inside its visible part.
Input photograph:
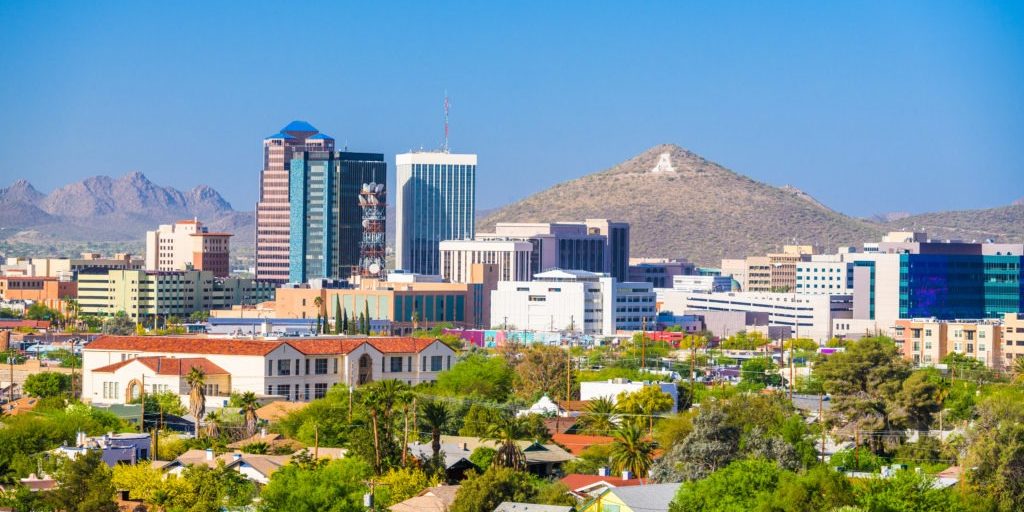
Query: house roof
(264, 464)
(454, 454)
(19, 406)
(512, 506)
(271, 439)
(431, 499)
(168, 365)
(220, 346)
(576, 443)
(533, 451)
(577, 481)
(34, 324)
(278, 409)
(649, 498)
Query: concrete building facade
(512, 259)
(188, 245)
(809, 316)
(926, 341)
(659, 272)
(594, 245)
(68, 268)
(50, 291)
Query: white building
(702, 283)
(612, 388)
(187, 245)
(435, 201)
(574, 300)
(825, 273)
(117, 368)
(809, 316)
(459, 256)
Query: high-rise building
(326, 225)
(188, 245)
(435, 201)
(273, 216)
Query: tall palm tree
(435, 416)
(1018, 367)
(318, 301)
(506, 430)
(196, 380)
(382, 399)
(212, 424)
(248, 405)
(71, 309)
(631, 450)
(600, 418)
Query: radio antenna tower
(446, 106)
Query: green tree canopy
(337, 486)
(84, 485)
(485, 491)
(479, 376)
(48, 384)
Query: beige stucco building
(188, 245)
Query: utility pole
(821, 422)
(316, 441)
(568, 372)
(856, 449)
(693, 370)
(643, 344)
(791, 370)
(142, 404)
(10, 359)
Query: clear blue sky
(869, 107)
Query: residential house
(431, 499)
(541, 459)
(640, 498)
(585, 487)
(512, 506)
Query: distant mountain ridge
(680, 204)
(102, 208)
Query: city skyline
(927, 102)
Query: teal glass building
(325, 216)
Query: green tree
(485, 491)
(865, 382)
(996, 448)
(214, 489)
(338, 318)
(435, 416)
(119, 325)
(383, 401)
(745, 341)
(738, 487)
(759, 373)
(333, 487)
(48, 384)
(39, 311)
(713, 444)
(84, 485)
(321, 321)
(541, 370)
(478, 376)
(483, 457)
(647, 402)
(631, 450)
(600, 418)
(142, 481)
(165, 402)
(906, 490)
(673, 429)
(919, 399)
(196, 380)
(506, 430)
(247, 404)
(820, 488)
(400, 484)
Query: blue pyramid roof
(299, 126)
(279, 135)
(322, 136)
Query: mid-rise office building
(143, 294)
(927, 341)
(68, 268)
(435, 201)
(458, 257)
(273, 210)
(573, 300)
(326, 226)
(188, 245)
(1013, 340)
(50, 291)
(660, 272)
(595, 245)
(824, 273)
(772, 272)
(808, 316)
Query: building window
(321, 366)
(284, 367)
(270, 368)
(396, 364)
(335, 365)
(284, 390)
(305, 393)
(319, 390)
(435, 363)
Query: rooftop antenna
(446, 106)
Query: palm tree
(1018, 367)
(212, 424)
(71, 308)
(318, 301)
(248, 404)
(382, 399)
(196, 380)
(601, 417)
(506, 430)
(631, 450)
(435, 415)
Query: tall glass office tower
(435, 201)
(325, 217)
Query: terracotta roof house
(292, 370)
(576, 443)
(431, 499)
(590, 486)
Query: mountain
(681, 205)
(1004, 224)
(106, 209)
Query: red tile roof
(576, 443)
(576, 481)
(203, 345)
(14, 324)
(169, 365)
